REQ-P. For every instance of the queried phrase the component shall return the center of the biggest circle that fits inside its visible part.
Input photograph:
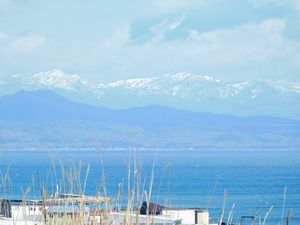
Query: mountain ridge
(44, 119)
(181, 90)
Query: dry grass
(70, 182)
(73, 180)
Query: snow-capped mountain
(58, 79)
(181, 90)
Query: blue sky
(109, 40)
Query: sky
(110, 40)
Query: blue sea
(254, 181)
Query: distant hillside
(180, 90)
(43, 119)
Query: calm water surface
(254, 181)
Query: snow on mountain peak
(155, 83)
(241, 85)
(188, 76)
(187, 90)
(179, 85)
(286, 85)
(57, 79)
(131, 83)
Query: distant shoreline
(131, 149)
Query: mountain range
(45, 120)
(182, 90)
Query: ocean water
(254, 181)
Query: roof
(182, 208)
(66, 209)
(62, 199)
(118, 218)
(21, 202)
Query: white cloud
(3, 36)
(171, 6)
(253, 42)
(27, 43)
(272, 26)
(160, 29)
(295, 4)
(21, 43)
(120, 37)
(252, 49)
